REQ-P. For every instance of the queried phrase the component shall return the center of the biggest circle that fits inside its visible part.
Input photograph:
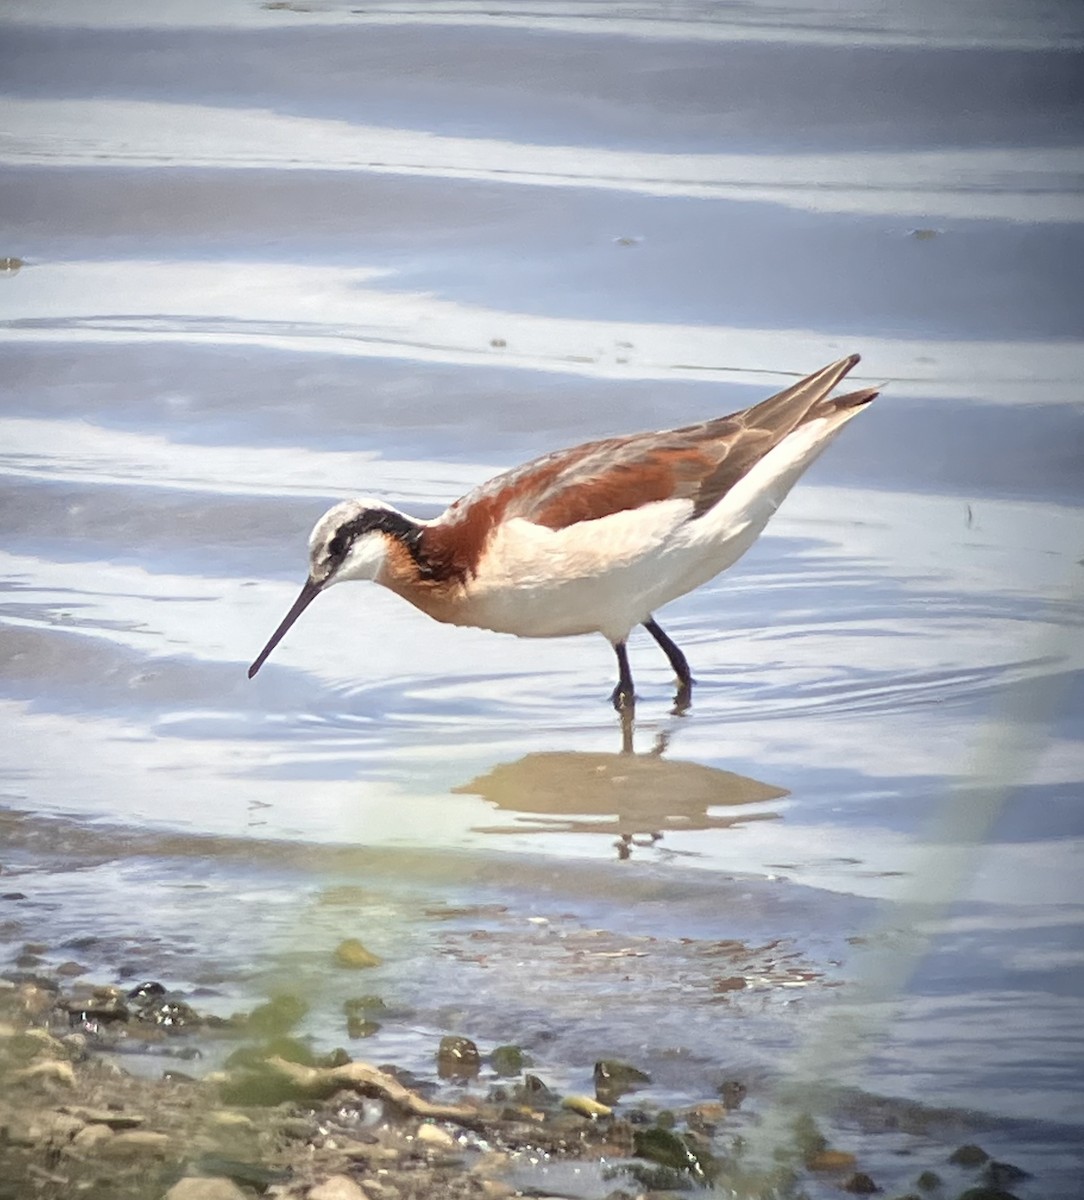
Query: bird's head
(350, 541)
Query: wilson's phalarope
(592, 539)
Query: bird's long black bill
(308, 594)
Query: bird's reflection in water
(637, 797)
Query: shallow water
(271, 258)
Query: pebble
(706, 1116)
(105, 1116)
(586, 1106)
(227, 1118)
(63, 1127)
(338, 1187)
(91, 1135)
(135, 1142)
(353, 955)
(490, 1163)
(458, 1058)
(968, 1155)
(495, 1189)
(45, 1043)
(614, 1078)
(507, 1061)
(433, 1135)
(1000, 1174)
(297, 1128)
(35, 1000)
(209, 1187)
(830, 1160)
(50, 1069)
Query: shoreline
(282, 1121)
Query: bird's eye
(336, 548)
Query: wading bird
(592, 539)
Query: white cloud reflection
(1007, 183)
(346, 311)
(975, 24)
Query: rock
(299, 1129)
(137, 1143)
(533, 1090)
(243, 1172)
(613, 1079)
(169, 1012)
(91, 1136)
(665, 1148)
(1001, 1174)
(48, 1043)
(458, 1058)
(365, 1006)
(209, 1187)
(150, 989)
(227, 1118)
(496, 1189)
(279, 1015)
(860, 1184)
(24, 1045)
(351, 954)
(830, 1160)
(435, 1137)
(928, 1181)
(35, 1001)
(49, 1069)
(338, 1187)
(586, 1107)
(105, 1116)
(705, 1117)
(490, 1164)
(104, 1005)
(807, 1137)
(968, 1155)
(75, 1046)
(20, 1132)
(986, 1193)
(65, 1126)
(507, 1061)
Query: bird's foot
(623, 698)
(683, 699)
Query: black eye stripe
(380, 520)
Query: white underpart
(610, 575)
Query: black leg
(624, 696)
(678, 662)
